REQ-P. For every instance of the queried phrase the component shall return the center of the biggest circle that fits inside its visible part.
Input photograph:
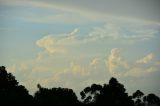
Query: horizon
(73, 44)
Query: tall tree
(112, 94)
(89, 94)
(11, 93)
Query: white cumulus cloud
(115, 61)
(146, 59)
(49, 44)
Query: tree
(55, 97)
(7, 80)
(111, 94)
(90, 94)
(11, 93)
(114, 94)
(152, 99)
(137, 96)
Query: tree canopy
(55, 97)
(111, 94)
(11, 93)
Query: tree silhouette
(7, 80)
(137, 96)
(152, 99)
(90, 94)
(12, 94)
(55, 97)
(112, 94)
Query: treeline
(111, 94)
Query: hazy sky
(74, 43)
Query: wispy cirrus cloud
(110, 32)
(141, 11)
(68, 42)
(123, 33)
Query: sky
(75, 43)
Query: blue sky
(72, 43)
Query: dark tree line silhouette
(111, 94)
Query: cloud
(49, 44)
(77, 69)
(122, 33)
(157, 63)
(143, 66)
(136, 72)
(69, 76)
(94, 62)
(74, 32)
(69, 37)
(67, 42)
(140, 71)
(105, 10)
(60, 18)
(12, 68)
(81, 68)
(31, 73)
(48, 74)
(56, 44)
(77, 73)
(115, 61)
(58, 51)
(117, 66)
(141, 10)
(109, 32)
(146, 59)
